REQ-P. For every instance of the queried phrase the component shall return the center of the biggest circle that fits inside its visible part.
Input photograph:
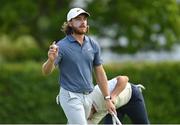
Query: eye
(85, 18)
(78, 18)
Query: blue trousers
(135, 109)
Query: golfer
(77, 56)
(127, 98)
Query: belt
(86, 93)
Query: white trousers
(76, 106)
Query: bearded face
(79, 24)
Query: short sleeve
(58, 59)
(97, 57)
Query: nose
(84, 22)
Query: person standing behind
(77, 56)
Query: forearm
(103, 85)
(48, 67)
(120, 86)
(101, 80)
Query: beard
(79, 31)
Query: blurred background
(139, 38)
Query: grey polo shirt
(76, 63)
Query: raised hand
(53, 52)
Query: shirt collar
(72, 39)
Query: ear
(70, 24)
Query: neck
(79, 37)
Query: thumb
(54, 43)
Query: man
(77, 56)
(127, 98)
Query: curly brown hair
(66, 29)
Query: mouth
(83, 27)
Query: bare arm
(103, 85)
(120, 86)
(101, 80)
(48, 66)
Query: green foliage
(147, 24)
(29, 97)
(162, 93)
(40, 18)
(22, 48)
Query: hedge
(28, 97)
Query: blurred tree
(137, 24)
(133, 24)
(39, 18)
